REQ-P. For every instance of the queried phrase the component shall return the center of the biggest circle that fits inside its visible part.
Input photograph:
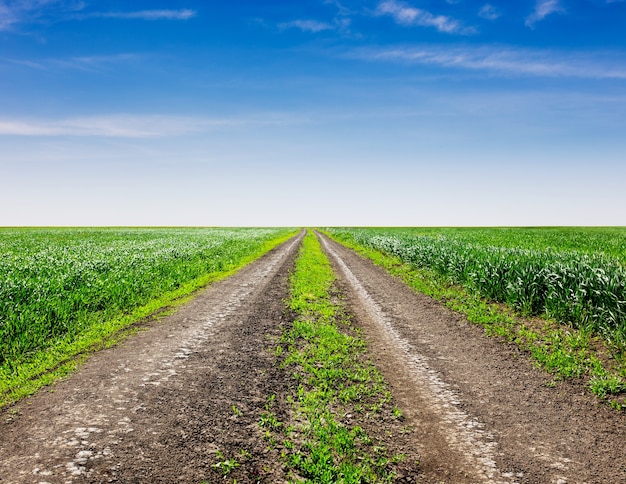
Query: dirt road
(169, 402)
(482, 412)
(172, 402)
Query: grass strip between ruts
(563, 351)
(334, 379)
(49, 365)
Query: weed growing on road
(225, 466)
(333, 377)
(565, 352)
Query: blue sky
(318, 112)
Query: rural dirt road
(159, 407)
(171, 401)
(481, 411)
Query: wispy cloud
(94, 63)
(23, 62)
(7, 17)
(543, 8)
(181, 14)
(489, 12)
(340, 24)
(506, 61)
(404, 14)
(14, 12)
(135, 126)
(341, 8)
(306, 25)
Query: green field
(574, 275)
(62, 289)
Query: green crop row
(57, 283)
(583, 288)
(610, 241)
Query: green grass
(594, 352)
(334, 378)
(67, 292)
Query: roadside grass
(336, 388)
(66, 353)
(563, 351)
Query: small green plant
(225, 466)
(269, 421)
(397, 458)
(607, 386)
(236, 411)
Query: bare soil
(481, 410)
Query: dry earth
(174, 400)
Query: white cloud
(182, 14)
(7, 17)
(407, 15)
(84, 63)
(307, 25)
(489, 12)
(341, 8)
(340, 24)
(543, 8)
(508, 61)
(14, 12)
(134, 126)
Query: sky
(313, 113)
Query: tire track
(481, 410)
(463, 434)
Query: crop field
(58, 284)
(574, 275)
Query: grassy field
(63, 290)
(572, 276)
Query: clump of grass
(225, 466)
(333, 379)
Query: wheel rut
(480, 409)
